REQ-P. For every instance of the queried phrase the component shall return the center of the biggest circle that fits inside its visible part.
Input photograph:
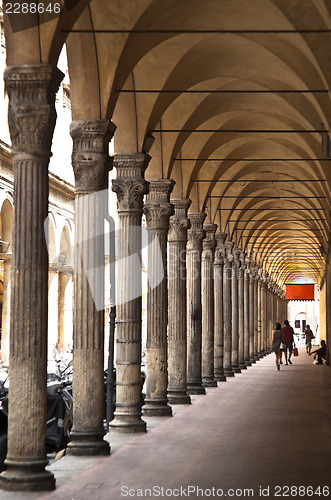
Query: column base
(236, 369)
(242, 365)
(156, 409)
(127, 424)
(253, 360)
(178, 398)
(248, 363)
(88, 443)
(18, 477)
(220, 377)
(209, 382)
(228, 372)
(197, 388)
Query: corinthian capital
(130, 185)
(236, 255)
(179, 223)
(196, 233)
(90, 159)
(242, 260)
(209, 243)
(157, 208)
(228, 254)
(31, 116)
(220, 250)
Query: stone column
(259, 346)
(130, 188)
(252, 312)
(274, 312)
(247, 312)
(227, 310)
(5, 308)
(31, 90)
(218, 308)
(177, 328)
(195, 236)
(241, 311)
(264, 306)
(271, 315)
(207, 300)
(235, 317)
(157, 210)
(91, 165)
(256, 317)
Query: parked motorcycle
(59, 413)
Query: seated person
(320, 353)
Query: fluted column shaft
(235, 312)
(247, 312)
(207, 300)
(259, 282)
(177, 328)
(130, 188)
(218, 308)
(91, 165)
(31, 90)
(264, 306)
(252, 314)
(241, 311)
(195, 236)
(256, 318)
(157, 210)
(271, 315)
(227, 309)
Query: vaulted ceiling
(236, 94)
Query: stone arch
(65, 248)
(52, 246)
(6, 215)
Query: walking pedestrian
(309, 337)
(278, 338)
(288, 334)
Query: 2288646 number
(301, 491)
(32, 8)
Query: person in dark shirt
(320, 353)
(288, 335)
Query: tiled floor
(254, 436)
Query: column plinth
(218, 308)
(91, 165)
(177, 328)
(207, 300)
(227, 310)
(130, 188)
(157, 210)
(31, 90)
(195, 236)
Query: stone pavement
(260, 430)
